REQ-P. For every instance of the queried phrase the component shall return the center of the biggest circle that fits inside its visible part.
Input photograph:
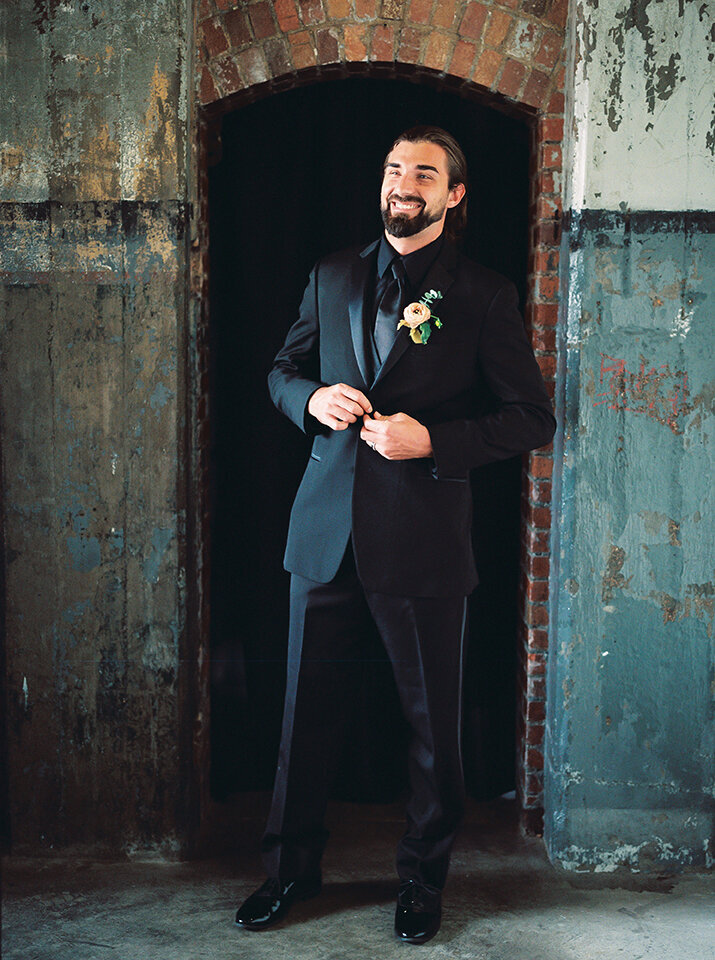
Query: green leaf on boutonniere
(437, 322)
(425, 330)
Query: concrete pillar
(629, 759)
(94, 323)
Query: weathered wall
(630, 736)
(94, 316)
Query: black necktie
(389, 310)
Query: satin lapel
(440, 277)
(358, 290)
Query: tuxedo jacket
(475, 385)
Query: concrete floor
(503, 902)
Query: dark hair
(456, 220)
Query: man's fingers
(352, 393)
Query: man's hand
(398, 437)
(338, 406)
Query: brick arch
(508, 53)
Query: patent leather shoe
(419, 912)
(273, 900)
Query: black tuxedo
(391, 540)
(476, 386)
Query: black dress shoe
(273, 900)
(419, 912)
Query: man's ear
(455, 194)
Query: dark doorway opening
(298, 177)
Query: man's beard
(403, 225)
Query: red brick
(487, 68)
(546, 259)
(551, 129)
(214, 37)
(535, 711)
(536, 88)
(207, 88)
(547, 287)
(540, 492)
(547, 365)
(338, 9)
(543, 314)
(252, 66)
(355, 42)
(544, 340)
(541, 518)
(557, 103)
(540, 466)
(558, 13)
(463, 58)
(537, 540)
(302, 49)
(548, 208)
(546, 232)
(327, 43)
(537, 567)
(536, 687)
(237, 28)
(444, 12)
(534, 759)
(204, 10)
(544, 182)
(383, 42)
(225, 4)
(226, 73)
(550, 50)
(511, 79)
(533, 788)
(366, 9)
(261, 16)
(536, 663)
(499, 24)
(438, 49)
(473, 20)
(278, 56)
(535, 735)
(286, 14)
(420, 11)
(536, 615)
(537, 590)
(410, 43)
(311, 11)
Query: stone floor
(503, 902)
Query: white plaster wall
(642, 130)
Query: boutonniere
(417, 317)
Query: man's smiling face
(415, 193)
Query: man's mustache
(405, 199)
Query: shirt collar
(416, 263)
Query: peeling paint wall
(93, 224)
(630, 724)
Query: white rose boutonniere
(417, 317)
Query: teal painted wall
(629, 775)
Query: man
(381, 524)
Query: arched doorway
(298, 177)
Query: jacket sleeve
(294, 377)
(521, 416)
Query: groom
(409, 366)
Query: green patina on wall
(93, 229)
(631, 737)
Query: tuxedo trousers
(424, 640)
